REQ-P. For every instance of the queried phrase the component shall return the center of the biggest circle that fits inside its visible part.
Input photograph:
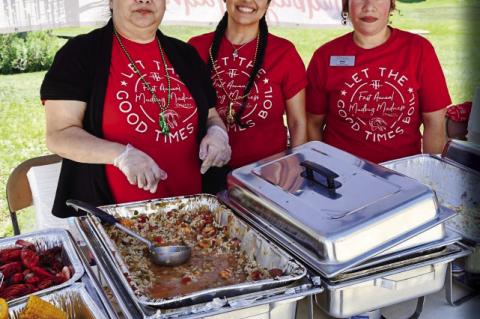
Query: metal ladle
(160, 255)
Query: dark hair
(262, 44)
(345, 5)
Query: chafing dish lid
(323, 194)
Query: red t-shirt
(130, 116)
(373, 99)
(281, 77)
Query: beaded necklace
(230, 114)
(162, 123)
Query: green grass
(21, 134)
(451, 26)
(454, 28)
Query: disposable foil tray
(43, 240)
(456, 186)
(276, 303)
(73, 300)
(265, 253)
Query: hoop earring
(344, 18)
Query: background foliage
(27, 52)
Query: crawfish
(32, 280)
(10, 254)
(26, 244)
(59, 278)
(15, 291)
(30, 258)
(40, 272)
(45, 283)
(17, 278)
(11, 268)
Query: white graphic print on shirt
(234, 73)
(142, 112)
(377, 103)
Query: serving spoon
(160, 255)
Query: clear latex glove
(139, 168)
(214, 148)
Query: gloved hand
(139, 168)
(214, 148)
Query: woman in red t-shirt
(131, 111)
(258, 78)
(370, 90)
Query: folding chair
(19, 193)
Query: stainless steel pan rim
(447, 254)
(450, 238)
(104, 264)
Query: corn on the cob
(40, 309)
(3, 309)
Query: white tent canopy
(27, 15)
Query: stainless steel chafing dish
(381, 281)
(376, 236)
(335, 210)
(455, 178)
(46, 239)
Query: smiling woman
(110, 98)
(257, 77)
(370, 90)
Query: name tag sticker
(342, 60)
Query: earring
(344, 18)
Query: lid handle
(329, 175)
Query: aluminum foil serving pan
(252, 242)
(73, 300)
(456, 186)
(43, 241)
(336, 208)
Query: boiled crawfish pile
(27, 270)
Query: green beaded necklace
(164, 129)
